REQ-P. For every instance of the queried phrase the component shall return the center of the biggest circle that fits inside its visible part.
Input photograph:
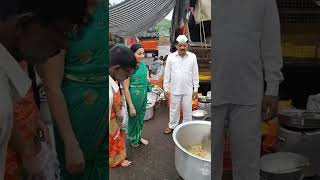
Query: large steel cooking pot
(149, 111)
(189, 166)
(283, 166)
(152, 98)
(305, 143)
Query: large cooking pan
(302, 119)
(283, 166)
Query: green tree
(163, 27)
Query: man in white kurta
(182, 75)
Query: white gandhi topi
(182, 39)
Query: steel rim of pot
(201, 118)
(302, 119)
(150, 105)
(174, 135)
(204, 114)
(297, 168)
(300, 123)
(204, 99)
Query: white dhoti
(175, 102)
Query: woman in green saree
(136, 88)
(77, 84)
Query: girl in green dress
(135, 89)
(77, 84)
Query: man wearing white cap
(182, 73)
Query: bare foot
(134, 145)
(144, 142)
(126, 163)
(168, 130)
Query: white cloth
(182, 74)
(113, 88)
(13, 82)
(175, 102)
(202, 11)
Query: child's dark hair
(120, 55)
(135, 47)
(47, 11)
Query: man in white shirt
(32, 31)
(182, 73)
